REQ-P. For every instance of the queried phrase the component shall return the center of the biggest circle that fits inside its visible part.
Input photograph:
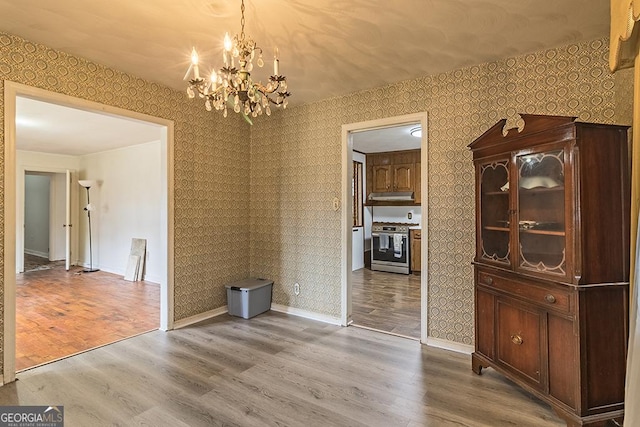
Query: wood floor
(59, 312)
(275, 370)
(387, 302)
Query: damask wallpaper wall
(211, 238)
(293, 158)
(296, 169)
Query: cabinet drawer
(553, 298)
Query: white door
(67, 222)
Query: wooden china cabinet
(552, 262)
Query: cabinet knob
(550, 298)
(516, 339)
(489, 280)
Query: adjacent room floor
(60, 313)
(387, 302)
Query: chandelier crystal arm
(232, 85)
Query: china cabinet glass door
(540, 209)
(494, 223)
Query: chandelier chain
(242, 20)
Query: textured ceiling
(327, 47)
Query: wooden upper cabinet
(381, 179)
(403, 177)
(407, 157)
(380, 159)
(394, 171)
(417, 194)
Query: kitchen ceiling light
(233, 85)
(417, 132)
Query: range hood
(392, 196)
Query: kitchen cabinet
(394, 171)
(415, 237)
(404, 177)
(382, 178)
(552, 262)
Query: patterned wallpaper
(296, 169)
(211, 155)
(293, 159)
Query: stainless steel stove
(390, 247)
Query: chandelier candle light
(233, 85)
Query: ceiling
(327, 48)
(393, 138)
(51, 128)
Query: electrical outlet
(296, 289)
(409, 215)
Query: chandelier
(232, 85)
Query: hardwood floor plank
(59, 312)
(275, 370)
(60, 388)
(276, 404)
(386, 302)
(358, 404)
(155, 417)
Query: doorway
(37, 206)
(351, 282)
(12, 92)
(43, 211)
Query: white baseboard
(36, 253)
(119, 272)
(152, 279)
(432, 342)
(275, 307)
(450, 345)
(200, 317)
(306, 314)
(105, 269)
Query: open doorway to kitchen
(83, 294)
(385, 217)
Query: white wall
(36, 214)
(127, 204)
(397, 214)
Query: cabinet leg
(476, 364)
(571, 422)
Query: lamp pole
(87, 184)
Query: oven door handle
(375, 235)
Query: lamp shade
(87, 183)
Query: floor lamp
(87, 184)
